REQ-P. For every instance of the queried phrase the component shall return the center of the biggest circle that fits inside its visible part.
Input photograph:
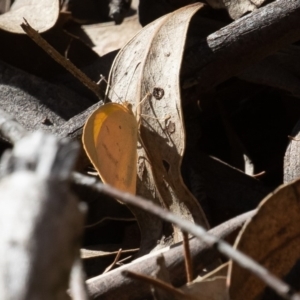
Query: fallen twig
(35, 36)
(187, 258)
(250, 39)
(281, 288)
(104, 286)
(114, 262)
(158, 284)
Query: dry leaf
(104, 250)
(107, 37)
(237, 8)
(292, 156)
(41, 14)
(151, 63)
(272, 238)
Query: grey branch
(243, 43)
(41, 220)
(103, 287)
(281, 288)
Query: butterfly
(110, 137)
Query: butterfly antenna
(102, 78)
(145, 98)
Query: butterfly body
(110, 140)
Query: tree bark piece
(35, 103)
(242, 43)
(114, 286)
(248, 263)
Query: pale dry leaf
(151, 62)
(106, 37)
(104, 250)
(41, 15)
(272, 238)
(236, 8)
(292, 156)
(150, 226)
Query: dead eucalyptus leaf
(104, 250)
(41, 14)
(236, 8)
(107, 37)
(292, 156)
(151, 62)
(272, 238)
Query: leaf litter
(42, 15)
(136, 72)
(270, 237)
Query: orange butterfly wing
(110, 141)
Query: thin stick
(187, 258)
(120, 262)
(259, 174)
(157, 283)
(114, 262)
(35, 36)
(280, 287)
